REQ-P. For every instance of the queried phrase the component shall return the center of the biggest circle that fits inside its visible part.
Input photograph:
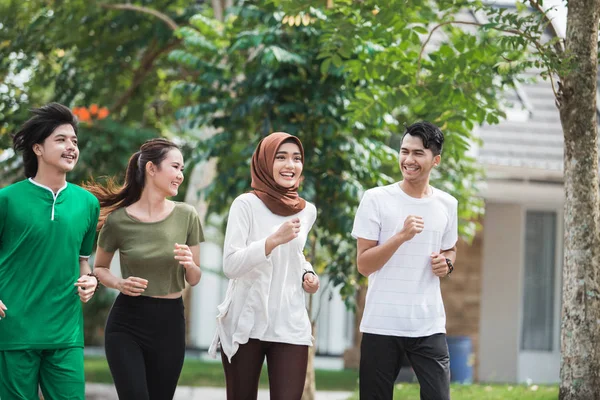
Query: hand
(311, 283)
(86, 287)
(439, 265)
(184, 255)
(132, 286)
(287, 232)
(412, 226)
(2, 309)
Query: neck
(152, 202)
(416, 189)
(55, 180)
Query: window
(538, 297)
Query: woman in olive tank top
(159, 251)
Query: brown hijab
(281, 201)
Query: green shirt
(42, 236)
(146, 249)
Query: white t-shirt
(265, 299)
(404, 297)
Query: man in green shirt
(47, 230)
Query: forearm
(84, 266)
(270, 245)
(193, 275)
(373, 259)
(239, 260)
(451, 254)
(106, 277)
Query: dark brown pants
(286, 364)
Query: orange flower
(94, 109)
(84, 115)
(103, 113)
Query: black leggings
(145, 346)
(286, 364)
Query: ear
(436, 160)
(37, 149)
(150, 168)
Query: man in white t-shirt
(407, 235)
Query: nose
(289, 163)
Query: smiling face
(416, 161)
(287, 166)
(59, 151)
(168, 176)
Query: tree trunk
(580, 330)
(310, 387)
(352, 354)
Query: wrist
(401, 237)
(191, 267)
(308, 271)
(450, 266)
(272, 242)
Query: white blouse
(265, 299)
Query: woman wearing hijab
(264, 314)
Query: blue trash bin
(461, 359)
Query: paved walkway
(97, 391)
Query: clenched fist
(287, 232)
(413, 225)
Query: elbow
(228, 270)
(361, 269)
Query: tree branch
(130, 7)
(535, 43)
(140, 74)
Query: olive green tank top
(146, 248)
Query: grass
(410, 391)
(210, 374)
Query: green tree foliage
(344, 80)
(81, 53)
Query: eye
(299, 159)
(280, 158)
(74, 142)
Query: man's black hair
(431, 135)
(44, 121)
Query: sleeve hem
(365, 235)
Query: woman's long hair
(113, 196)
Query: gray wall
(501, 292)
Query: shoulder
(310, 210)
(446, 198)
(185, 208)
(380, 192)
(13, 190)
(115, 217)
(83, 194)
(246, 201)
